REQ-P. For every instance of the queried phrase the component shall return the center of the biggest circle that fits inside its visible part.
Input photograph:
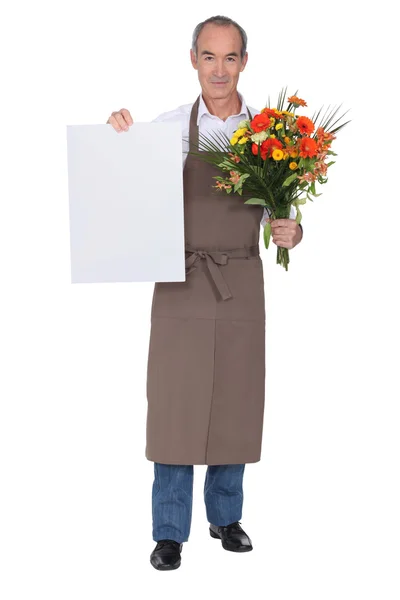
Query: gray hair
(223, 22)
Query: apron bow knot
(213, 259)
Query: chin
(218, 93)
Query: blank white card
(126, 203)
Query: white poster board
(126, 203)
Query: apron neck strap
(193, 127)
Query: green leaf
(298, 215)
(258, 170)
(255, 201)
(267, 234)
(225, 165)
(289, 180)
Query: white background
(321, 506)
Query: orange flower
(234, 157)
(260, 122)
(324, 139)
(234, 176)
(308, 147)
(270, 112)
(222, 186)
(307, 177)
(296, 100)
(320, 168)
(305, 125)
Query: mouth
(219, 82)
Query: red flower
(305, 125)
(267, 147)
(260, 122)
(308, 147)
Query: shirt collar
(203, 110)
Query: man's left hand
(285, 232)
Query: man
(206, 364)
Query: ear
(193, 59)
(244, 61)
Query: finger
(121, 121)
(113, 121)
(284, 239)
(127, 115)
(283, 243)
(284, 225)
(279, 222)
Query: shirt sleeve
(267, 214)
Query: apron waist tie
(215, 258)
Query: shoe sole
(217, 537)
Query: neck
(223, 107)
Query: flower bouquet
(276, 158)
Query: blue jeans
(172, 496)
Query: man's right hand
(121, 120)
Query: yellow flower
(239, 132)
(272, 135)
(279, 126)
(243, 140)
(277, 154)
(287, 139)
(234, 140)
(285, 112)
(293, 154)
(292, 166)
(272, 121)
(285, 154)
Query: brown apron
(206, 361)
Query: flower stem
(282, 255)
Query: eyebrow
(212, 53)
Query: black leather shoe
(166, 555)
(232, 536)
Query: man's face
(218, 60)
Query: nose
(219, 68)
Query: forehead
(219, 38)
